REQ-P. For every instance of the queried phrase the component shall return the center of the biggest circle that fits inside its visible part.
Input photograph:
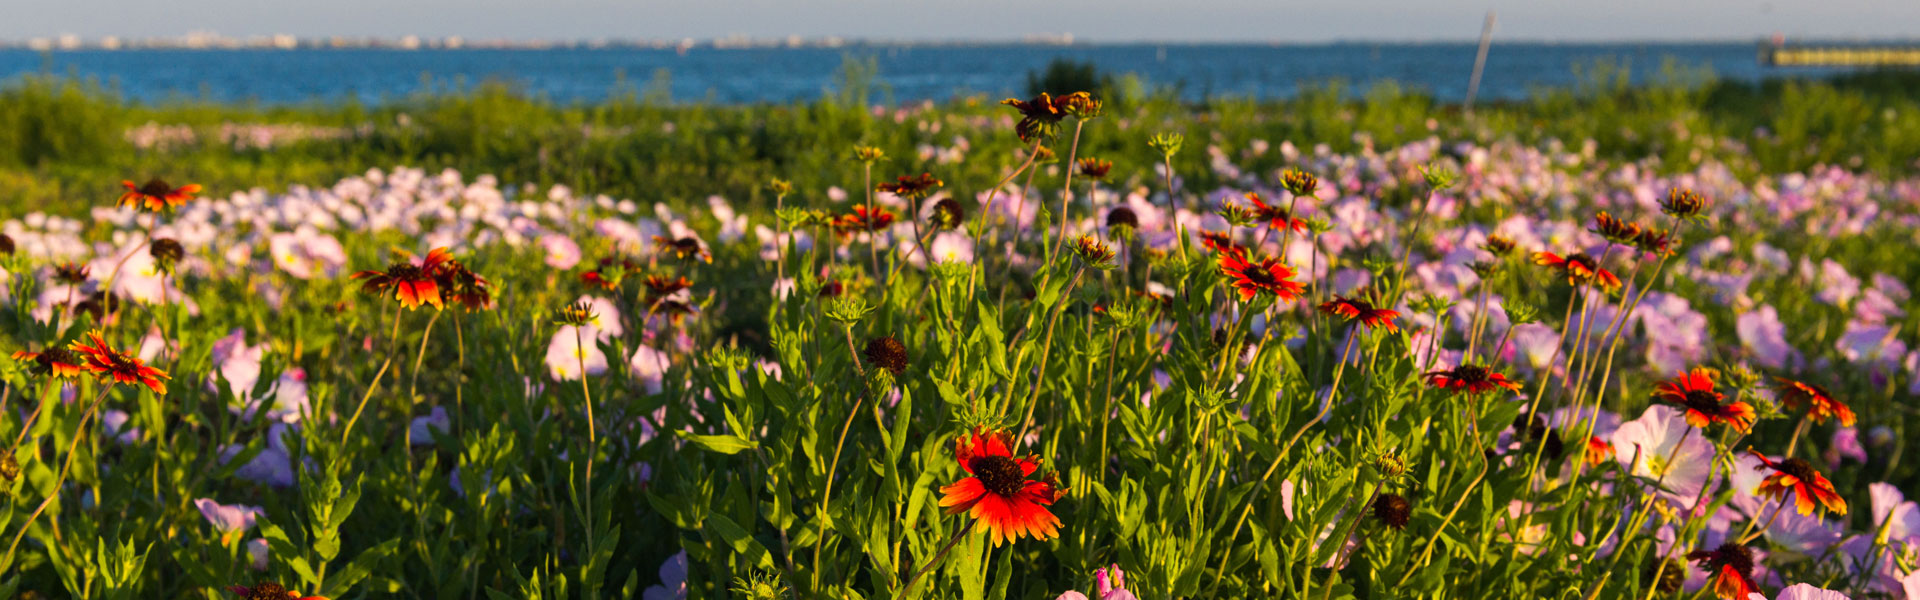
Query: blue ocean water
(906, 72)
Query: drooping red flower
(1684, 204)
(1093, 252)
(122, 367)
(1616, 230)
(1798, 476)
(1094, 168)
(156, 196)
(1819, 404)
(1363, 311)
(412, 285)
(72, 273)
(1276, 217)
(1694, 392)
(1472, 379)
(1498, 245)
(682, 248)
(862, 218)
(1731, 567)
(1221, 243)
(675, 310)
(1579, 268)
(910, 187)
(460, 285)
(1040, 117)
(269, 591)
(1266, 276)
(61, 363)
(1598, 451)
(1658, 242)
(997, 493)
(610, 272)
(660, 287)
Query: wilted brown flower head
(1095, 169)
(948, 214)
(682, 248)
(887, 353)
(1122, 216)
(911, 187)
(71, 273)
(1040, 117)
(1393, 510)
(1498, 245)
(166, 253)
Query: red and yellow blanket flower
(122, 367)
(997, 492)
(1694, 392)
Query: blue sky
(1090, 20)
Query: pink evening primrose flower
(1658, 442)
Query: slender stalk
(61, 480)
(1066, 193)
(833, 467)
(1794, 442)
(1360, 514)
(873, 235)
(1247, 509)
(1473, 429)
(1106, 410)
(38, 405)
(980, 230)
(1640, 515)
(393, 340)
(1039, 381)
(593, 437)
(957, 536)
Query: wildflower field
(1610, 343)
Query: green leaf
(739, 540)
(723, 444)
(359, 568)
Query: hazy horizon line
(816, 41)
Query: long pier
(1877, 55)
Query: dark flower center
(1260, 275)
(686, 244)
(57, 356)
(887, 353)
(156, 187)
(948, 213)
(1122, 216)
(166, 250)
(1671, 577)
(999, 474)
(1731, 555)
(1392, 509)
(1799, 468)
(266, 591)
(404, 271)
(1703, 401)
(1470, 374)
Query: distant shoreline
(309, 44)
